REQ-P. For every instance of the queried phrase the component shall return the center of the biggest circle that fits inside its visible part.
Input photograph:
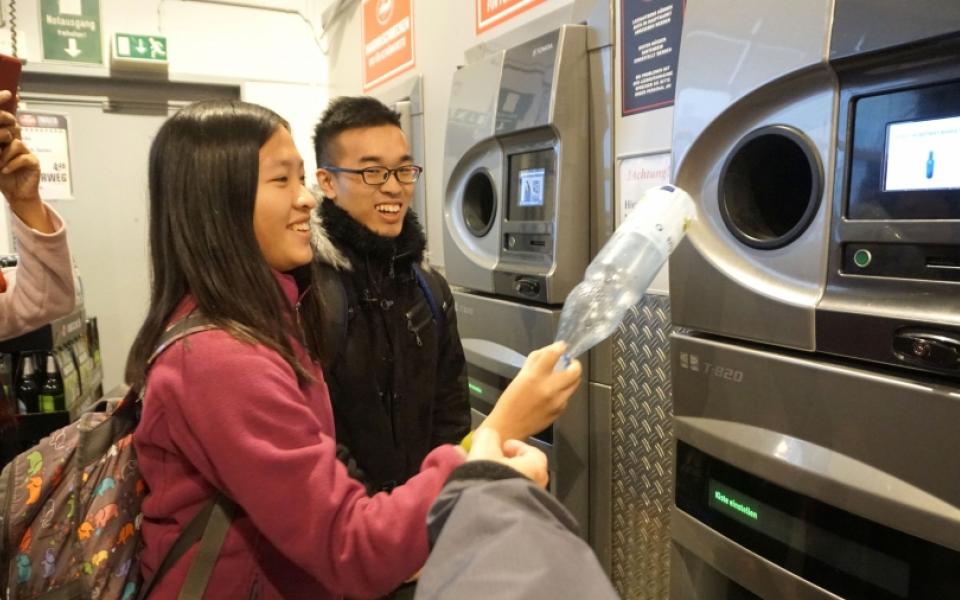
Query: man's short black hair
(348, 112)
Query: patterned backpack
(70, 509)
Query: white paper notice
(639, 174)
(47, 137)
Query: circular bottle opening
(479, 204)
(770, 187)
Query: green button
(862, 258)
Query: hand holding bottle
(536, 396)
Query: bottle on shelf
(624, 268)
(93, 338)
(51, 392)
(28, 390)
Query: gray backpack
(70, 509)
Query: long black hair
(204, 167)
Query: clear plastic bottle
(617, 278)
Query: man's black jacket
(398, 383)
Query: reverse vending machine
(518, 172)
(516, 223)
(817, 378)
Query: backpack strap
(334, 306)
(194, 322)
(209, 527)
(434, 295)
(218, 524)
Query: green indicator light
(862, 258)
(476, 389)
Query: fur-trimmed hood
(323, 247)
(337, 236)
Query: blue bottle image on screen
(930, 165)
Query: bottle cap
(662, 215)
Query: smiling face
(281, 213)
(380, 208)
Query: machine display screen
(842, 552)
(532, 186)
(923, 155)
(850, 557)
(904, 155)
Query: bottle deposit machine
(517, 170)
(817, 382)
(516, 223)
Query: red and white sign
(387, 27)
(491, 13)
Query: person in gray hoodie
(494, 533)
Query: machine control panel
(894, 253)
(937, 262)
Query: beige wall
(276, 58)
(207, 42)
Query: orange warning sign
(491, 13)
(387, 27)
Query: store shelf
(48, 337)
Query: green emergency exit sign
(131, 46)
(70, 31)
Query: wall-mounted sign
(387, 29)
(70, 30)
(147, 48)
(650, 47)
(491, 13)
(46, 136)
(639, 174)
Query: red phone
(10, 68)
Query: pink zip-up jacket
(219, 413)
(40, 288)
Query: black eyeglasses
(380, 175)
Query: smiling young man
(397, 379)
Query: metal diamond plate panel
(642, 446)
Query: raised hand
(536, 396)
(20, 174)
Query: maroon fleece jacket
(222, 414)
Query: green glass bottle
(51, 392)
(28, 390)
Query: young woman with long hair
(242, 410)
